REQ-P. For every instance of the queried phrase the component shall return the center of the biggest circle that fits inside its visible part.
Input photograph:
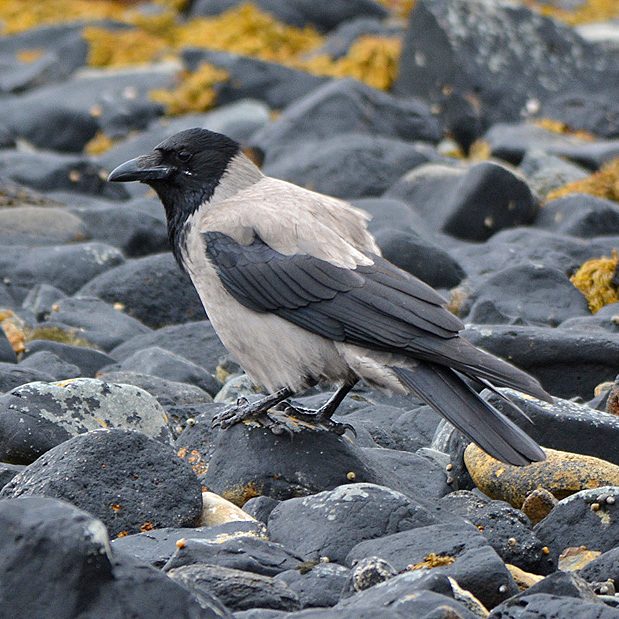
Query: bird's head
(184, 170)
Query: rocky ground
(484, 140)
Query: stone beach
(481, 136)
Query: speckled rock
(237, 590)
(538, 504)
(507, 530)
(38, 416)
(588, 518)
(366, 573)
(128, 480)
(336, 520)
(562, 473)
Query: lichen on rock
(603, 184)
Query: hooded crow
(295, 287)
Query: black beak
(145, 169)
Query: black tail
(455, 400)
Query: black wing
(378, 306)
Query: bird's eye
(184, 155)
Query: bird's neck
(184, 212)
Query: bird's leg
(322, 416)
(243, 410)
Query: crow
(295, 287)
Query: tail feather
(450, 396)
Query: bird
(297, 291)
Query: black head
(184, 170)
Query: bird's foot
(319, 419)
(258, 412)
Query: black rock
(67, 267)
(430, 597)
(168, 365)
(153, 289)
(318, 587)
(40, 225)
(603, 568)
(390, 214)
(143, 484)
(507, 530)
(98, 322)
(409, 473)
(419, 256)
(587, 111)
(591, 357)
(252, 78)
(347, 106)
(41, 299)
(271, 465)
(48, 171)
(120, 101)
(236, 589)
(246, 553)
(62, 51)
(526, 294)
(7, 354)
(196, 341)
(471, 203)
(38, 416)
(393, 427)
(551, 607)
(49, 363)
(566, 584)
(88, 360)
(604, 319)
(13, 375)
(504, 57)
(321, 14)
(457, 551)
(588, 518)
(64, 554)
(580, 215)
(157, 546)
(132, 230)
(331, 165)
(330, 523)
(565, 425)
(260, 507)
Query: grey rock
(36, 225)
(41, 298)
(237, 590)
(603, 568)
(88, 360)
(551, 606)
(97, 321)
(546, 172)
(471, 203)
(13, 375)
(332, 165)
(196, 341)
(24, 267)
(125, 478)
(475, 566)
(333, 522)
(318, 587)
(153, 289)
(574, 522)
(345, 106)
(49, 363)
